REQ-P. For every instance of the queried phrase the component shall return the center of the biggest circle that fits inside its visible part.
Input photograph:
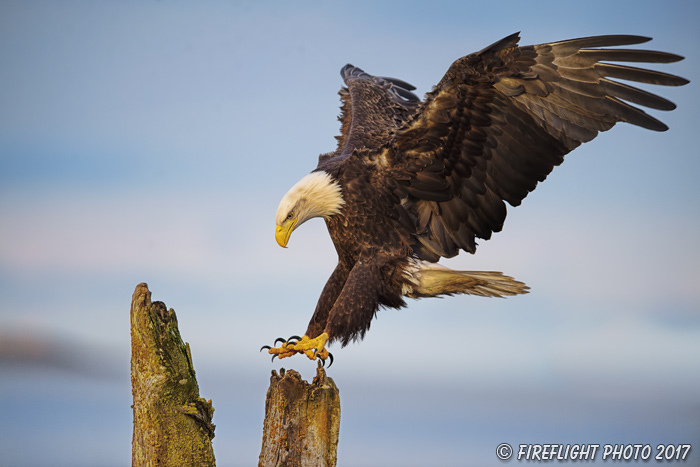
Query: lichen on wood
(302, 421)
(172, 424)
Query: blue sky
(151, 142)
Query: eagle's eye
(290, 215)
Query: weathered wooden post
(172, 424)
(302, 421)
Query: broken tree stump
(172, 424)
(302, 421)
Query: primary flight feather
(412, 181)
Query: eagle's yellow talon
(306, 344)
(312, 348)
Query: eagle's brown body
(413, 181)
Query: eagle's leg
(312, 348)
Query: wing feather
(372, 109)
(501, 119)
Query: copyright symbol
(504, 451)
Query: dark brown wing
(501, 119)
(373, 109)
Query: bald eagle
(414, 181)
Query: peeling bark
(172, 424)
(302, 421)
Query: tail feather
(432, 279)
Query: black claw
(296, 338)
(273, 357)
(265, 347)
(280, 339)
(323, 362)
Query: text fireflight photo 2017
(413, 181)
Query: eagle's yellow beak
(284, 231)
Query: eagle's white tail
(432, 279)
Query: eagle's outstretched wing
(373, 109)
(501, 119)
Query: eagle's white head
(315, 195)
